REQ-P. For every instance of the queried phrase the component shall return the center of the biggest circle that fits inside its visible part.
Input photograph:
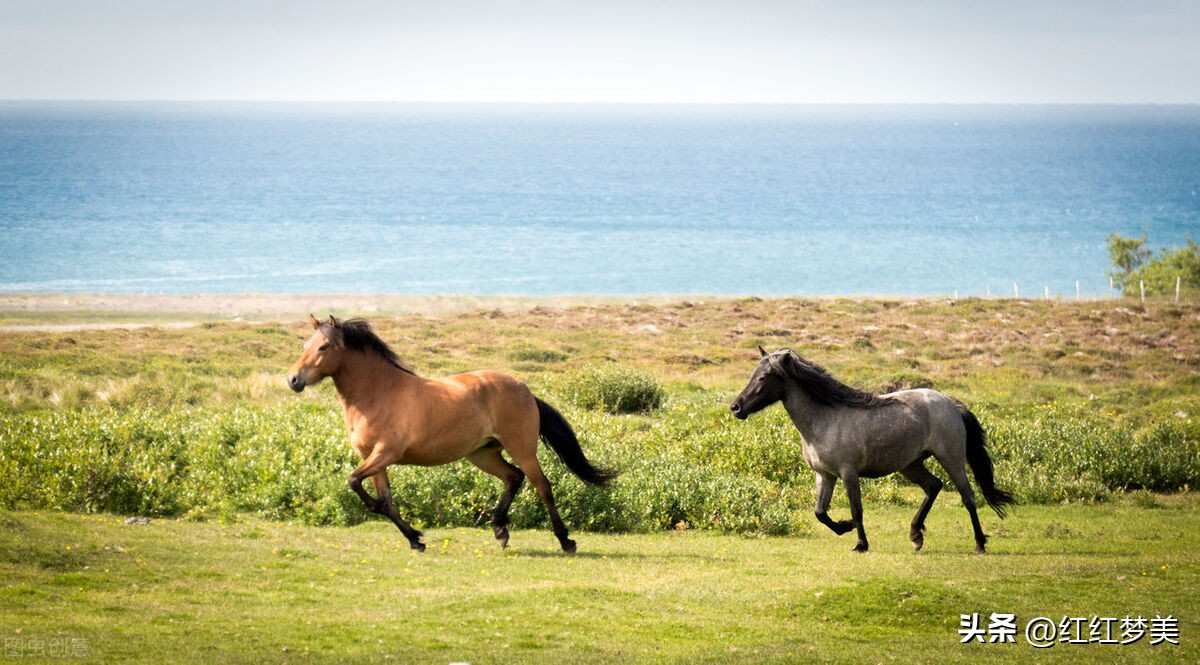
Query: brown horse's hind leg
(542, 486)
(932, 485)
(376, 470)
(490, 460)
(533, 471)
(520, 438)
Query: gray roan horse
(851, 434)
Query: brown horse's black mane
(356, 335)
(822, 387)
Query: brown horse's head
(766, 386)
(322, 354)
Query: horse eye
(322, 347)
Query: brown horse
(394, 416)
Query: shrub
(691, 464)
(125, 462)
(1057, 455)
(533, 354)
(613, 389)
(1136, 264)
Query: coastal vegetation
(257, 551)
(1136, 266)
(1083, 401)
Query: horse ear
(315, 323)
(762, 353)
(332, 321)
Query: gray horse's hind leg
(825, 486)
(958, 475)
(932, 485)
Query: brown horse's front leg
(383, 505)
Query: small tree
(1128, 255)
(1160, 273)
(1134, 263)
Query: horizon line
(394, 102)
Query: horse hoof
(568, 546)
(860, 548)
(918, 541)
(979, 549)
(845, 526)
(502, 536)
(417, 546)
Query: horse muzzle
(297, 382)
(738, 411)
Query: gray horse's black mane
(356, 335)
(821, 386)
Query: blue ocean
(544, 200)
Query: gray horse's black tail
(557, 432)
(981, 464)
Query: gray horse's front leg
(825, 484)
(852, 493)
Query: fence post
(1077, 294)
(1178, 279)
(1016, 291)
(1142, 286)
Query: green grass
(704, 550)
(257, 591)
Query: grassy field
(1003, 353)
(705, 549)
(1083, 401)
(259, 591)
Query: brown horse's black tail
(557, 432)
(981, 464)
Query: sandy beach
(73, 311)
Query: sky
(623, 51)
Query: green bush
(277, 463)
(690, 465)
(1056, 455)
(534, 354)
(1135, 265)
(612, 388)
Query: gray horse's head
(767, 385)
